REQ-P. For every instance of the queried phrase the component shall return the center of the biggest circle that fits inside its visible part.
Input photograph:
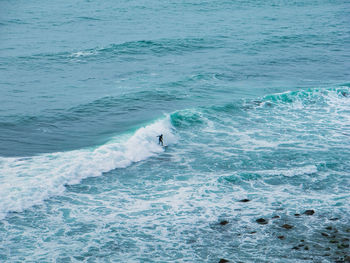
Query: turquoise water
(253, 99)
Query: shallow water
(252, 98)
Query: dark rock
(302, 240)
(306, 248)
(281, 237)
(327, 248)
(275, 217)
(333, 241)
(325, 234)
(345, 239)
(297, 214)
(253, 232)
(223, 260)
(327, 255)
(295, 248)
(286, 226)
(262, 221)
(301, 245)
(341, 246)
(347, 259)
(309, 212)
(244, 200)
(329, 228)
(223, 222)
(334, 219)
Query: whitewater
(252, 99)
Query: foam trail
(27, 181)
(308, 169)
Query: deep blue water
(253, 99)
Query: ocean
(253, 101)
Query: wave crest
(29, 181)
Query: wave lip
(28, 181)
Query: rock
(286, 226)
(223, 260)
(244, 200)
(325, 234)
(281, 237)
(329, 228)
(345, 239)
(334, 219)
(309, 212)
(333, 241)
(341, 246)
(253, 232)
(301, 245)
(347, 259)
(306, 248)
(223, 222)
(262, 221)
(297, 214)
(275, 217)
(295, 248)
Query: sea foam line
(28, 181)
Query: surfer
(160, 139)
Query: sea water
(253, 101)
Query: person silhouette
(160, 139)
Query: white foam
(83, 54)
(307, 169)
(25, 182)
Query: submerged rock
(223, 222)
(297, 214)
(309, 212)
(223, 260)
(244, 200)
(261, 221)
(341, 246)
(347, 259)
(275, 217)
(281, 237)
(286, 226)
(325, 234)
